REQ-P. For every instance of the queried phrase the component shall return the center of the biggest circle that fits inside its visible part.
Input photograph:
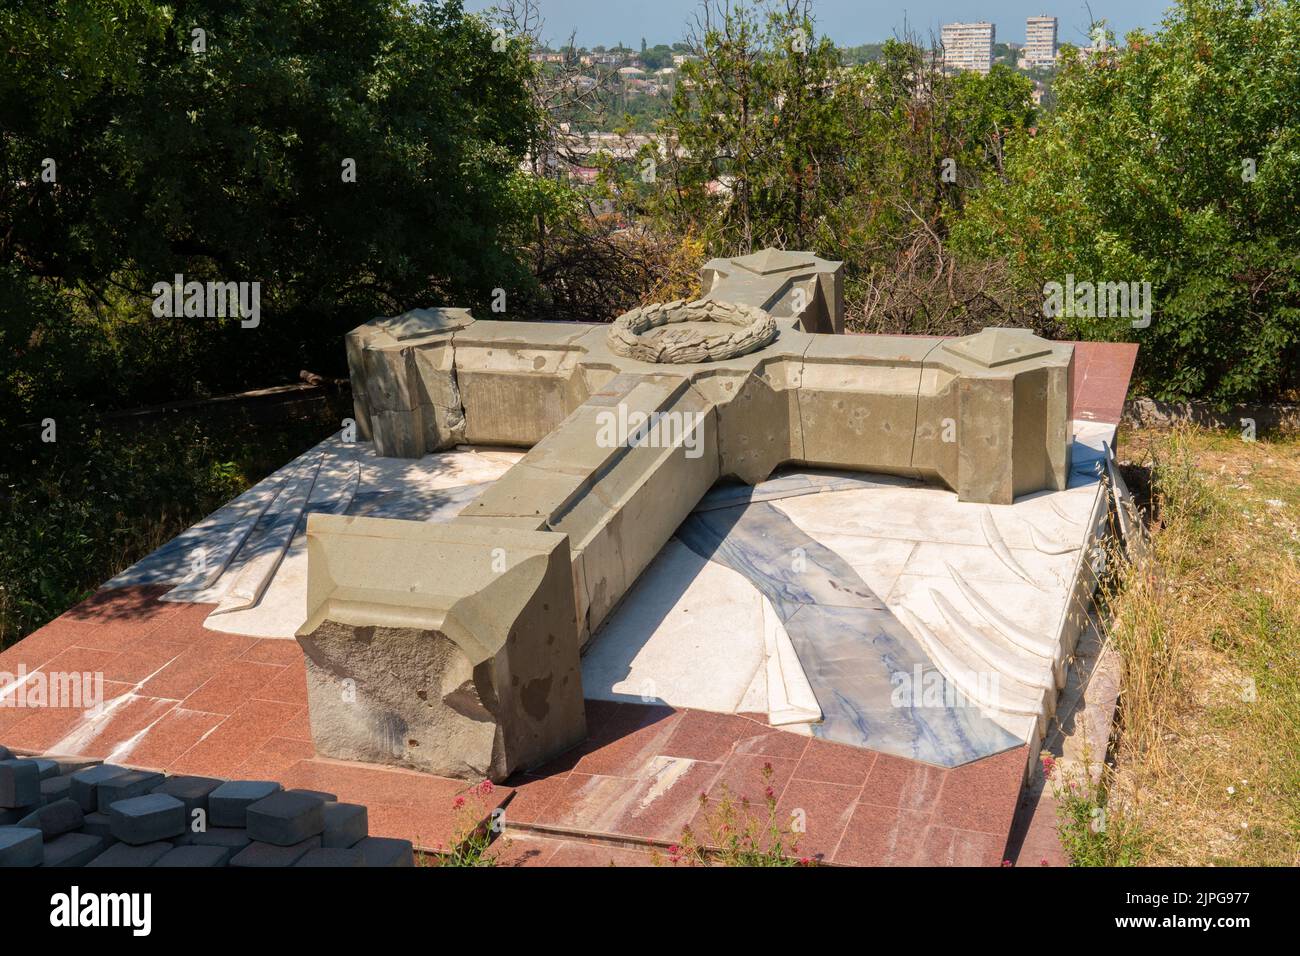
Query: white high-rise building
(968, 46)
(1040, 41)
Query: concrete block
(21, 846)
(147, 819)
(48, 768)
(268, 854)
(70, 765)
(20, 783)
(126, 855)
(228, 802)
(133, 783)
(386, 852)
(98, 824)
(85, 784)
(9, 816)
(6, 753)
(55, 819)
(227, 839)
(194, 857)
(318, 794)
(73, 849)
(491, 678)
(332, 857)
(57, 788)
(346, 824)
(286, 818)
(191, 791)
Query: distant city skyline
(847, 22)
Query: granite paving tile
(827, 762)
(228, 745)
(982, 795)
(948, 846)
(233, 684)
(817, 813)
(895, 782)
(883, 836)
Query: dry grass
(1208, 758)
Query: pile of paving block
(81, 813)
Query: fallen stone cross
(454, 648)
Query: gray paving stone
(228, 838)
(55, 819)
(228, 802)
(6, 753)
(321, 794)
(386, 852)
(267, 854)
(123, 854)
(346, 824)
(98, 824)
(85, 784)
(20, 783)
(70, 765)
(333, 857)
(9, 816)
(57, 788)
(48, 768)
(147, 819)
(195, 857)
(21, 846)
(72, 849)
(133, 783)
(286, 818)
(191, 791)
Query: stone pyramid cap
(421, 322)
(770, 261)
(997, 346)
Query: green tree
(1175, 161)
(773, 141)
(225, 160)
(753, 128)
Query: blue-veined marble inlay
(849, 643)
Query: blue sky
(848, 22)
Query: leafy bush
(1176, 161)
(88, 505)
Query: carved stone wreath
(643, 333)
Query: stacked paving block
(72, 814)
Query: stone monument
(454, 648)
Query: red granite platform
(188, 700)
